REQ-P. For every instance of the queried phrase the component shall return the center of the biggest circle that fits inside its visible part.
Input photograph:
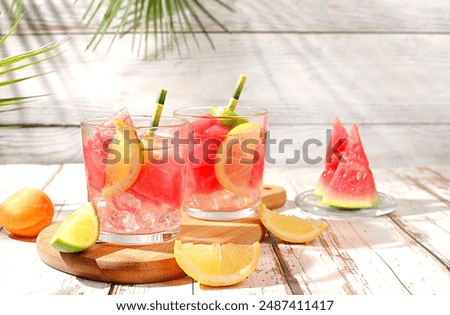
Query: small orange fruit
(26, 212)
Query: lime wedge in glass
(229, 111)
(228, 117)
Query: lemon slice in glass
(124, 164)
(217, 264)
(234, 159)
(79, 231)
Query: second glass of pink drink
(225, 162)
(135, 176)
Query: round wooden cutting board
(153, 263)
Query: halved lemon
(124, 158)
(234, 159)
(79, 231)
(290, 228)
(217, 264)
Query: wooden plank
(370, 256)
(426, 217)
(300, 79)
(269, 16)
(386, 145)
(68, 190)
(18, 176)
(23, 272)
(436, 181)
(174, 288)
(380, 258)
(443, 170)
(54, 144)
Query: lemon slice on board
(234, 158)
(79, 231)
(217, 264)
(124, 164)
(290, 228)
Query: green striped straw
(157, 111)
(232, 103)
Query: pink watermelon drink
(135, 176)
(225, 164)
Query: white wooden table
(406, 252)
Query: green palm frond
(166, 19)
(12, 65)
(15, 10)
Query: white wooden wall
(383, 64)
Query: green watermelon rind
(354, 204)
(322, 184)
(320, 190)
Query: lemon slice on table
(234, 158)
(79, 231)
(217, 264)
(124, 164)
(290, 228)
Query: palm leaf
(10, 127)
(15, 10)
(144, 17)
(16, 100)
(11, 65)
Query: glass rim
(254, 112)
(98, 121)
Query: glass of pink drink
(135, 176)
(225, 163)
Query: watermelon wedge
(335, 147)
(352, 186)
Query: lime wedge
(231, 118)
(79, 231)
(228, 111)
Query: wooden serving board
(153, 263)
